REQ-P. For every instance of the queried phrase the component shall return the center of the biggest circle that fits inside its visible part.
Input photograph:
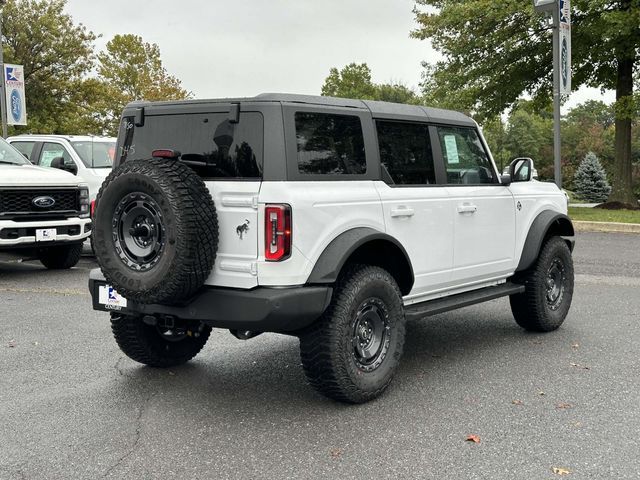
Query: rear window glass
(405, 151)
(209, 143)
(330, 144)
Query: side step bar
(453, 302)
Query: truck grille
(20, 203)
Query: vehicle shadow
(269, 380)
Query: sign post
(560, 11)
(3, 109)
(16, 107)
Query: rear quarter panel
(321, 211)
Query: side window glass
(330, 144)
(405, 151)
(465, 158)
(51, 151)
(25, 148)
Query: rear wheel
(545, 303)
(352, 352)
(160, 345)
(60, 257)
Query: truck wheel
(549, 289)
(352, 352)
(158, 346)
(60, 257)
(155, 231)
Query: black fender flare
(335, 255)
(546, 222)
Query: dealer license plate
(109, 299)
(46, 234)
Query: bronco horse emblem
(242, 229)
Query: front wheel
(352, 352)
(60, 257)
(549, 289)
(159, 345)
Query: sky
(237, 48)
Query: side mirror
(505, 180)
(521, 170)
(58, 163)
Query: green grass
(599, 215)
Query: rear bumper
(260, 309)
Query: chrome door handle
(402, 212)
(467, 208)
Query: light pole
(3, 96)
(552, 7)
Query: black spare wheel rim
(371, 334)
(555, 284)
(139, 233)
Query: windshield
(10, 156)
(96, 153)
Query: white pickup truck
(44, 212)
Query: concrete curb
(614, 227)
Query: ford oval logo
(43, 202)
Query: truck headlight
(84, 202)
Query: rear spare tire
(155, 231)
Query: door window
(330, 144)
(466, 160)
(405, 153)
(25, 148)
(54, 150)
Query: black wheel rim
(555, 284)
(138, 231)
(370, 334)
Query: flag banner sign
(565, 47)
(14, 91)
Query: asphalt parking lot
(72, 406)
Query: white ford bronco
(44, 212)
(333, 220)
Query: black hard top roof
(378, 109)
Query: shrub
(590, 180)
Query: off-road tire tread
(61, 257)
(529, 308)
(320, 352)
(197, 229)
(130, 335)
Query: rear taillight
(93, 208)
(277, 232)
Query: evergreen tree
(591, 180)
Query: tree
(591, 180)
(495, 133)
(354, 81)
(495, 51)
(56, 54)
(132, 69)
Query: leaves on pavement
(517, 402)
(577, 365)
(335, 452)
(560, 471)
(473, 438)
